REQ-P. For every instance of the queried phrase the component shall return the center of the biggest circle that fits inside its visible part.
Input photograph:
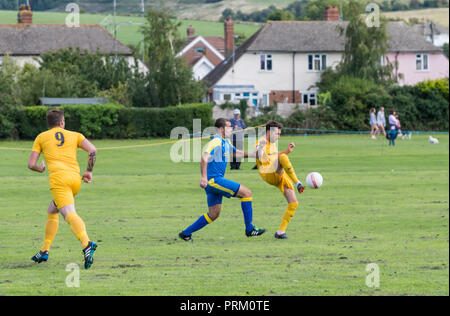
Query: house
(434, 33)
(283, 61)
(24, 42)
(204, 53)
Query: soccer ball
(314, 180)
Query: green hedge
(100, 121)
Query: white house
(283, 62)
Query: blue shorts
(217, 188)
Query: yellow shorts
(277, 180)
(64, 187)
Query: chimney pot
(25, 15)
(331, 13)
(229, 37)
(190, 31)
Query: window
(199, 50)
(227, 97)
(310, 98)
(422, 62)
(266, 62)
(265, 100)
(317, 62)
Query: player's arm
(32, 162)
(92, 157)
(243, 154)
(203, 169)
(290, 149)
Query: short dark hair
(391, 111)
(271, 124)
(54, 117)
(221, 122)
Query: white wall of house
(438, 40)
(34, 60)
(22, 60)
(247, 71)
(202, 68)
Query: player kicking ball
(213, 165)
(276, 169)
(59, 147)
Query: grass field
(439, 16)
(378, 204)
(130, 34)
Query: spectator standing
(373, 123)
(381, 120)
(392, 135)
(238, 138)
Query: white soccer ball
(314, 180)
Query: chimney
(331, 13)
(25, 16)
(190, 31)
(229, 37)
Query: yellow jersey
(267, 162)
(59, 147)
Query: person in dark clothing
(238, 138)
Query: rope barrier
(323, 132)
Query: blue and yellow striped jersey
(220, 150)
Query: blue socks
(247, 209)
(199, 224)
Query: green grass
(130, 34)
(437, 15)
(378, 204)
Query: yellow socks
(50, 230)
(78, 228)
(288, 214)
(287, 166)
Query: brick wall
(285, 96)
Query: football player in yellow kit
(276, 169)
(59, 147)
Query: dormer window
(199, 50)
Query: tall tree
(170, 81)
(364, 48)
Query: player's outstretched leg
(201, 222)
(51, 228)
(247, 208)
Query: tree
(315, 9)
(281, 15)
(170, 81)
(364, 48)
(445, 48)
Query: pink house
(416, 58)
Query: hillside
(439, 16)
(208, 10)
